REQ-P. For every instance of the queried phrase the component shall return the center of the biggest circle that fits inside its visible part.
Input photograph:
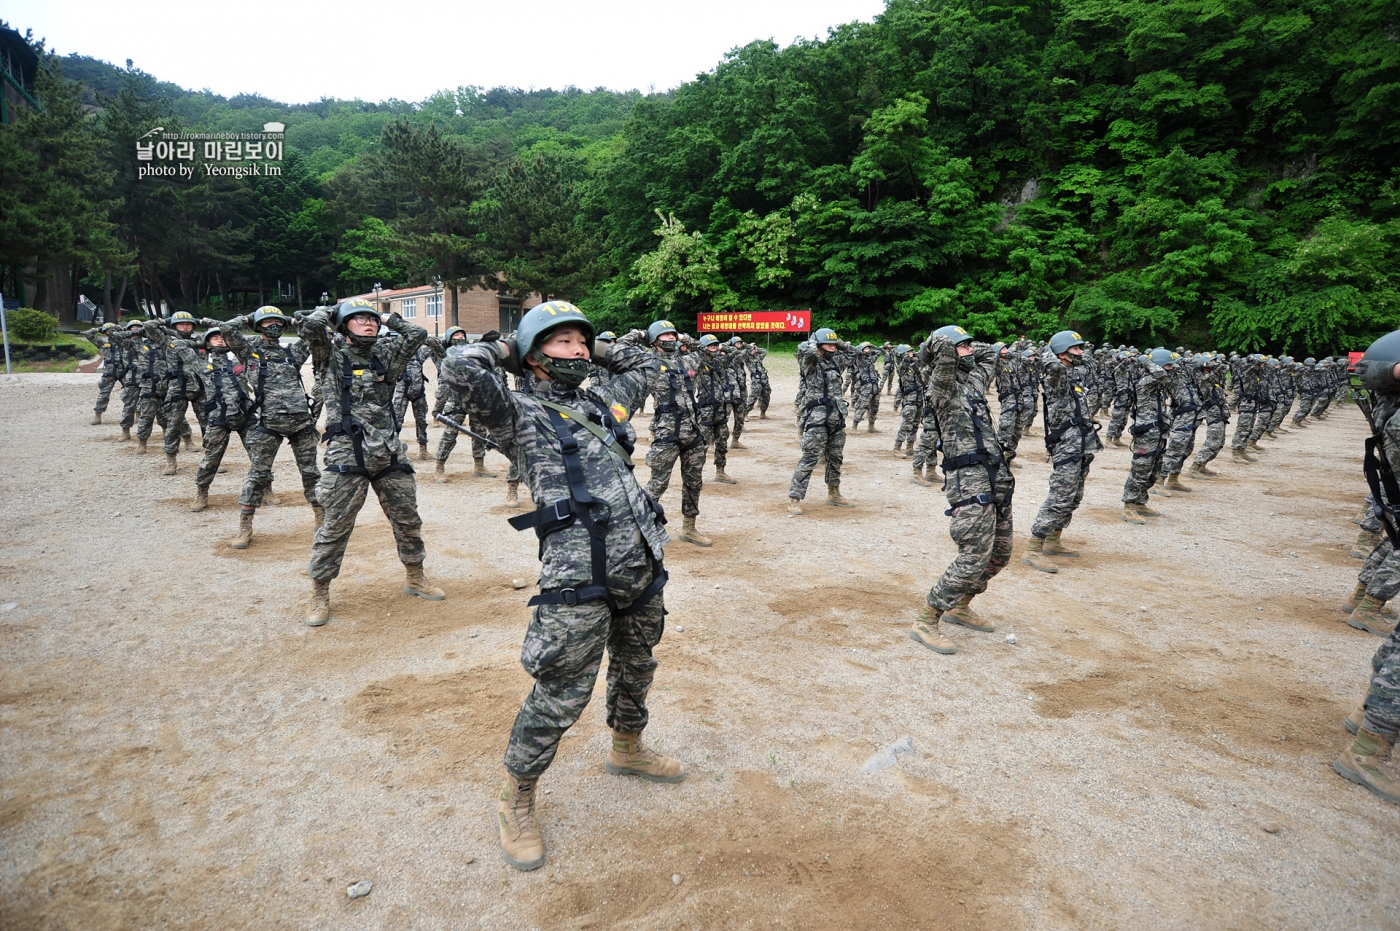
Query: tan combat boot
(416, 583)
(628, 757)
(1254, 447)
(201, 498)
(736, 444)
(140, 446)
(794, 507)
(189, 441)
(1174, 483)
(1367, 763)
(1199, 471)
(1365, 543)
(899, 452)
(1117, 441)
(1053, 547)
(126, 435)
(1239, 455)
(1354, 598)
(1147, 510)
(270, 497)
(962, 614)
(918, 479)
(423, 452)
(172, 465)
(1035, 556)
(245, 530)
(925, 631)
(724, 479)
(1367, 616)
(1130, 515)
(833, 497)
(479, 469)
(440, 472)
(96, 419)
(690, 535)
(512, 494)
(1160, 487)
(520, 835)
(1357, 719)
(320, 611)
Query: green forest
(1215, 173)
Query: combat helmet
(1376, 367)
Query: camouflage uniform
(1149, 419)
(183, 386)
(1267, 399)
(1215, 410)
(1248, 386)
(1124, 374)
(1070, 443)
(909, 399)
(1186, 415)
(1327, 383)
(710, 401)
(760, 390)
(437, 351)
(890, 367)
(130, 379)
(1383, 584)
(977, 477)
(866, 388)
(113, 365)
(363, 448)
(148, 360)
(412, 388)
(225, 411)
(1307, 392)
(736, 376)
(821, 415)
(279, 410)
(1030, 390)
(676, 431)
(1010, 372)
(601, 566)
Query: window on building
(410, 308)
(509, 314)
(434, 305)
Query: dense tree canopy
(1220, 172)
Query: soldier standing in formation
(183, 387)
(1181, 438)
(113, 366)
(821, 416)
(412, 388)
(1215, 411)
(1150, 424)
(225, 411)
(865, 387)
(736, 375)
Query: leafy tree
(682, 273)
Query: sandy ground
(178, 749)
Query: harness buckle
(568, 597)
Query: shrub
(30, 325)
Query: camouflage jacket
(226, 399)
(710, 385)
(274, 373)
(958, 399)
(819, 391)
(736, 375)
(753, 360)
(113, 356)
(671, 382)
(1149, 402)
(1185, 397)
(864, 375)
(182, 362)
(415, 382)
(525, 429)
(147, 361)
(1248, 379)
(364, 434)
(1069, 433)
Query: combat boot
(899, 451)
(512, 494)
(870, 428)
(270, 497)
(1365, 543)
(520, 835)
(479, 469)
(96, 419)
(735, 444)
(962, 614)
(794, 507)
(1035, 555)
(1367, 763)
(925, 631)
(1354, 599)
(140, 446)
(1240, 456)
(245, 530)
(126, 435)
(440, 472)
(1357, 719)
(918, 479)
(1130, 515)
(416, 583)
(201, 498)
(628, 757)
(320, 611)
(1053, 547)
(1159, 488)
(189, 441)
(725, 479)
(1201, 471)
(833, 497)
(172, 465)
(690, 535)
(1116, 441)
(423, 452)
(1254, 447)
(1367, 616)
(1174, 483)
(318, 514)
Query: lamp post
(377, 308)
(325, 299)
(437, 302)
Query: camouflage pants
(563, 651)
(760, 394)
(420, 410)
(718, 436)
(1147, 464)
(1213, 443)
(262, 446)
(1381, 572)
(889, 379)
(318, 403)
(926, 450)
(867, 404)
(910, 413)
(1118, 417)
(104, 390)
(450, 434)
(819, 435)
(983, 536)
(1066, 491)
(740, 411)
(150, 411)
(175, 411)
(1009, 427)
(661, 458)
(1028, 410)
(216, 437)
(1324, 401)
(131, 402)
(1180, 443)
(1305, 406)
(1369, 521)
(1383, 697)
(1280, 413)
(1244, 425)
(1261, 420)
(343, 495)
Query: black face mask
(569, 373)
(968, 362)
(272, 330)
(669, 345)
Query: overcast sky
(297, 51)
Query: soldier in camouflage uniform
(1150, 423)
(1307, 392)
(437, 349)
(760, 390)
(279, 411)
(1030, 387)
(601, 540)
(821, 416)
(182, 364)
(1330, 375)
(1215, 411)
(225, 412)
(1248, 386)
(736, 376)
(148, 361)
(979, 485)
(1368, 761)
(888, 351)
(1124, 372)
(412, 388)
(363, 449)
(1071, 440)
(127, 340)
(676, 431)
(865, 387)
(711, 400)
(1010, 372)
(1185, 417)
(909, 401)
(113, 366)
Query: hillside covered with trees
(1215, 172)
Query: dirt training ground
(1155, 751)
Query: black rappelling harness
(1138, 429)
(823, 401)
(260, 395)
(982, 456)
(1077, 420)
(356, 432)
(150, 370)
(675, 408)
(1385, 490)
(220, 372)
(579, 507)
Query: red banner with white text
(756, 321)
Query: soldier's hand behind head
(490, 336)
